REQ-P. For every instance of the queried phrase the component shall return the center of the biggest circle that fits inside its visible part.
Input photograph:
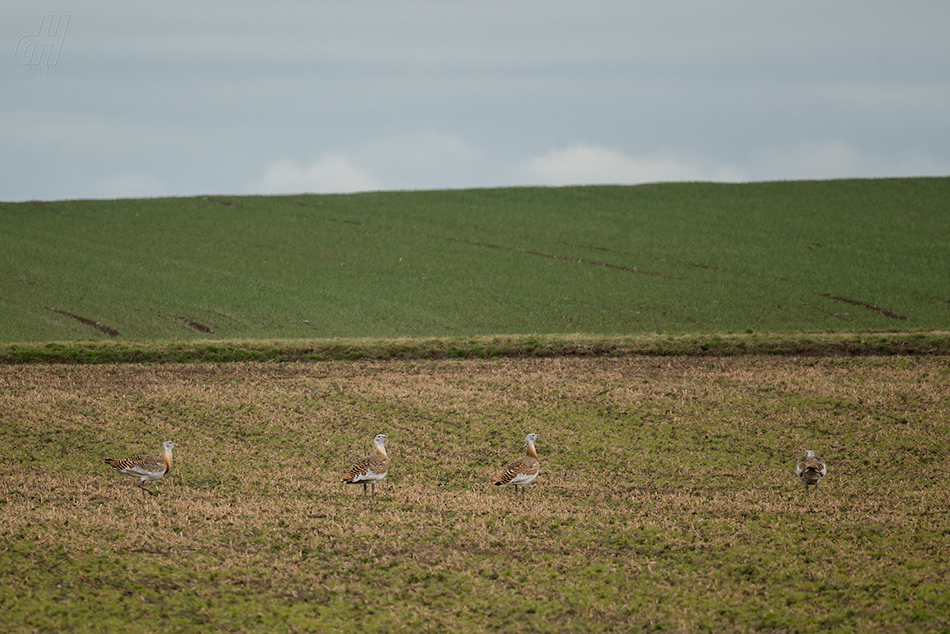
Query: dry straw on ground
(667, 498)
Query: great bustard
(145, 468)
(370, 469)
(522, 471)
(810, 469)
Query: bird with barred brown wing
(519, 473)
(370, 469)
(145, 468)
(810, 469)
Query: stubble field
(666, 501)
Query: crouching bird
(370, 469)
(810, 469)
(519, 473)
(145, 468)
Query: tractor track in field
(695, 265)
(854, 302)
(195, 325)
(98, 325)
(630, 269)
(555, 256)
(552, 256)
(112, 332)
(220, 201)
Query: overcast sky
(183, 97)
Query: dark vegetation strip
(854, 302)
(515, 346)
(220, 201)
(695, 265)
(554, 256)
(98, 325)
(195, 325)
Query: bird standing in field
(519, 473)
(145, 468)
(810, 469)
(370, 469)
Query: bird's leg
(374, 489)
(364, 489)
(142, 486)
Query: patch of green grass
(856, 255)
(898, 343)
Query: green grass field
(853, 255)
(667, 499)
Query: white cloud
(332, 173)
(595, 164)
(430, 160)
(398, 161)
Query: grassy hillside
(667, 499)
(669, 258)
